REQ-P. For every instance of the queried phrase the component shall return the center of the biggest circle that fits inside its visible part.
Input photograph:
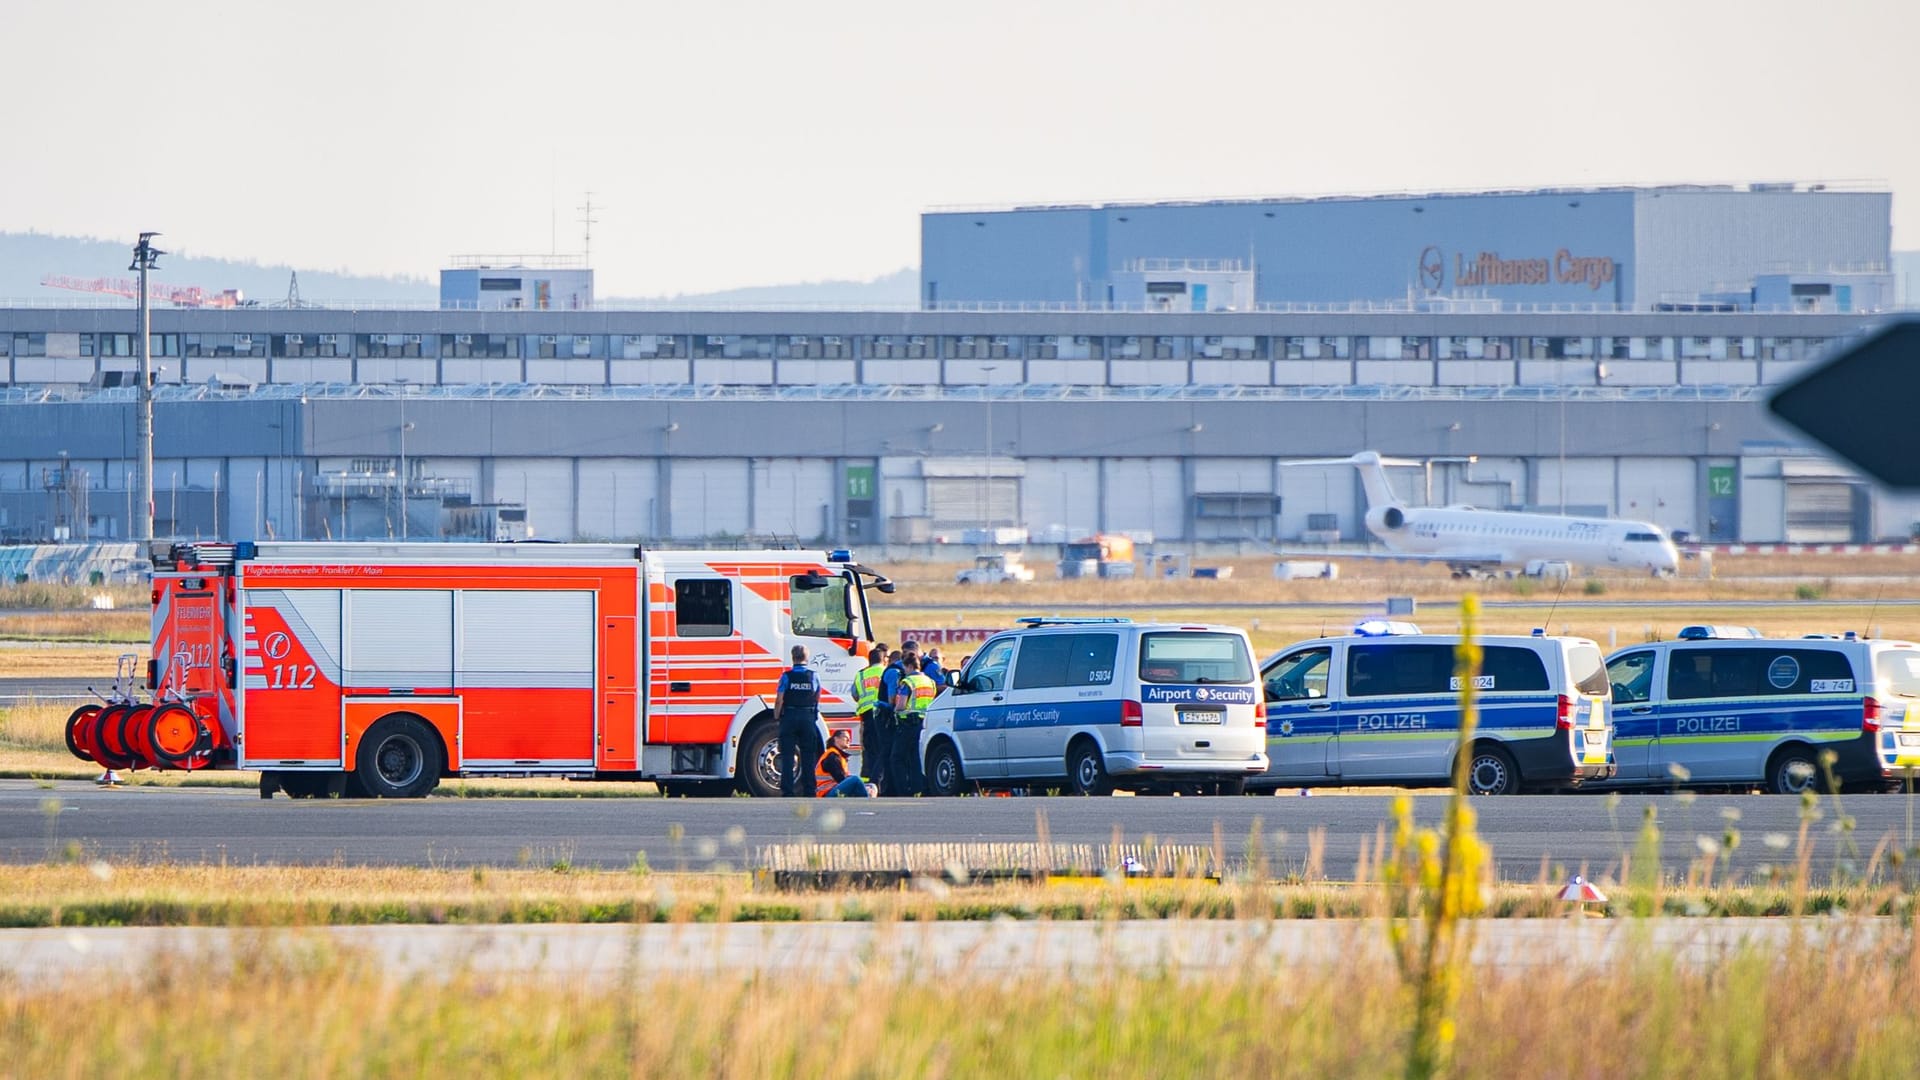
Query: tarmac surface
(16, 690)
(943, 950)
(1533, 837)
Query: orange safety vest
(823, 781)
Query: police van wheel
(1086, 773)
(944, 776)
(1792, 771)
(1491, 772)
(399, 759)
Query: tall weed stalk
(1436, 881)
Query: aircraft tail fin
(1373, 477)
(1373, 474)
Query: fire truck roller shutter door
(525, 677)
(399, 639)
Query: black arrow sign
(1861, 403)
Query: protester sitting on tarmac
(831, 777)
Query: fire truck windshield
(821, 607)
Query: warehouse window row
(986, 347)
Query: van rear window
(1194, 657)
(1898, 670)
(1589, 669)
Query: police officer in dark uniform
(796, 708)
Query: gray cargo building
(1153, 415)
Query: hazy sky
(745, 143)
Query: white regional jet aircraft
(1470, 540)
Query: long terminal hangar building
(1141, 368)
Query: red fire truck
(379, 668)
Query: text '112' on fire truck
(378, 668)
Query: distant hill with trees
(27, 257)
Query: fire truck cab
(377, 669)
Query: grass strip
(546, 888)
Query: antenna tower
(587, 221)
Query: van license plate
(1909, 740)
(1201, 716)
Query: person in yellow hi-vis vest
(910, 703)
(873, 724)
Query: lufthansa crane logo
(1433, 267)
(278, 644)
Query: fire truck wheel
(758, 765)
(399, 759)
(82, 715)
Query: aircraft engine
(1386, 518)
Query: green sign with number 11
(859, 481)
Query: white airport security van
(1382, 706)
(1095, 704)
(1722, 706)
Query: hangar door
(961, 494)
(793, 498)
(1823, 511)
(954, 501)
(709, 497)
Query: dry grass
(296, 1006)
(33, 729)
(60, 661)
(133, 627)
(45, 597)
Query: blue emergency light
(840, 555)
(1383, 628)
(1718, 633)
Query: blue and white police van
(1382, 706)
(1095, 704)
(1724, 707)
